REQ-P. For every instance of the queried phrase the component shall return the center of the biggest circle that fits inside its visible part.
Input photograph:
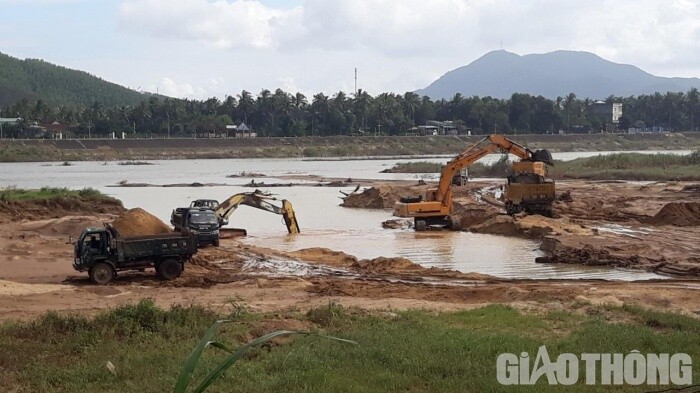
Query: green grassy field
(403, 351)
(631, 166)
(620, 166)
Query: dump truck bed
(149, 246)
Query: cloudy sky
(203, 48)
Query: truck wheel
(102, 273)
(215, 243)
(169, 269)
(421, 225)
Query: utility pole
(355, 82)
(168, 113)
(89, 127)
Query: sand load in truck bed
(139, 222)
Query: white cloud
(169, 87)
(242, 23)
(404, 44)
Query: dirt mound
(370, 198)
(472, 214)
(386, 265)
(682, 214)
(499, 225)
(532, 226)
(325, 256)
(587, 254)
(382, 197)
(139, 222)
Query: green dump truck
(102, 253)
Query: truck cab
(200, 221)
(93, 244)
(211, 204)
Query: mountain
(500, 73)
(36, 79)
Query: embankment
(23, 204)
(335, 146)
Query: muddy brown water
(323, 222)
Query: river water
(323, 222)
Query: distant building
(243, 131)
(608, 113)
(56, 130)
(434, 127)
(53, 130)
(443, 127)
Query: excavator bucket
(544, 156)
(290, 219)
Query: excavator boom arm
(472, 154)
(259, 201)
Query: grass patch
(619, 166)
(404, 351)
(631, 166)
(415, 167)
(499, 168)
(50, 193)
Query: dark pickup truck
(200, 221)
(102, 252)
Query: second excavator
(527, 188)
(256, 199)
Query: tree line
(280, 113)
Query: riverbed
(323, 222)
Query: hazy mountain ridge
(34, 79)
(500, 73)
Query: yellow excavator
(527, 188)
(256, 199)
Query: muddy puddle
(499, 256)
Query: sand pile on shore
(386, 265)
(370, 198)
(64, 226)
(382, 197)
(325, 256)
(682, 214)
(139, 222)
